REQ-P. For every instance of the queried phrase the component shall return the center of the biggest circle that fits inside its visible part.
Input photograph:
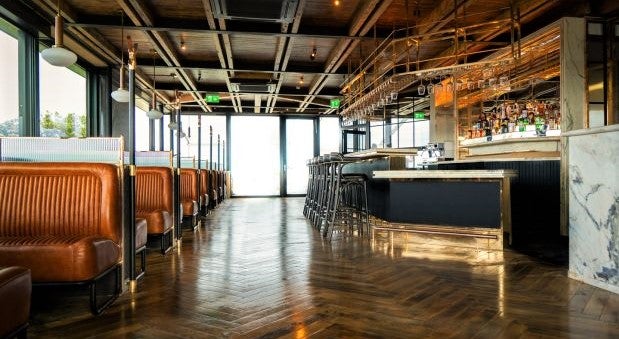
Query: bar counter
(445, 174)
(458, 202)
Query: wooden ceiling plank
(140, 16)
(91, 38)
(208, 12)
(283, 53)
(365, 18)
(529, 9)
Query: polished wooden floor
(258, 270)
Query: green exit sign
(419, 115)
(212, 98)
(335, 103)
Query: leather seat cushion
(158, 221)
(15, 291)
(190, 207)
(141, 230)
(69, 258)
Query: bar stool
(346, 203)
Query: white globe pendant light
(121, 94)
(57, 55)
(154, 113)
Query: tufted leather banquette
(189, 193)
(61, 220)
(15, 291)
(154, 201)
(213, 187)
(204, 187)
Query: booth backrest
(153, 188)
(204, 182)
(189, 184)
(60, 199)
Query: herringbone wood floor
(258, 270)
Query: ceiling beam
(239, 67)
(224, 60)
(283, 52)
(367, 14)
(257, 103)
(90, 38)
(198, 27)
(140, 16)
(529, 9)
(222, 88)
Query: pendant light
(154, 113)
(173, 125)
(121, 94)
(57, 55)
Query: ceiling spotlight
(183, 46)
(301, 80)
(313, 55)
(336, 2)
(173, 75)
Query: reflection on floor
(258, 270)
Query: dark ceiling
(257, 55)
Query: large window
(255, 155)
(330, 135)
(602, 65)
(189, 143)
(400, 133)
(166, 132)
(141, 130)
(411, 133)
(9, 96)
(62, 100)
(377, 134)
(299, 148)
(218, 122)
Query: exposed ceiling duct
(280, 11)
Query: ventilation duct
(281, 11)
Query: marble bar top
(595, 130)
(446, 174)
(380, 152)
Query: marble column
(442, 124)
(573, 96)
(594, 206)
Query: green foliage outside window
(63, 125)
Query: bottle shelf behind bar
(510, 119)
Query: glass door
(299, 148)
(255, 156)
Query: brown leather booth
(204, 188)
(213, 188)
(15, 292)
(141, 237)
(189, 196)
(63, 222)
(154, 202)
(221, 181)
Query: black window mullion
(28, 74)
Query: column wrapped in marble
(573, 95)
(594, 206)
